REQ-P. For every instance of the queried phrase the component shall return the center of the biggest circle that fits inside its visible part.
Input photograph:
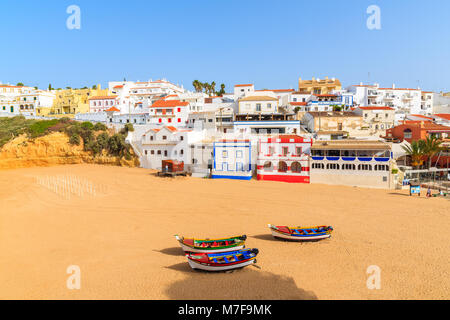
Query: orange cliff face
(50, 150)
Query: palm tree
(222, 90)
(416, 151)
(213, 87)
(207, 87)
(431, 146)
(197, 85)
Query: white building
(169, 112)
(101, 103)
(137, 97)
(403, 100)
(168, 143)
(23, 100)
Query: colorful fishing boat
(212, 245)
(222, 261)
(301, 233)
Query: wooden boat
(301, 233)
(222, 261)
(212, 245)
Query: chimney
(393, 86)
(360, 83)
(313, 78)
(326, 78)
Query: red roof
(170, 128)
(117, 87)
(243, 85)
(287, 139)
(445, 116)
(326, 95)
(169, 103)
(299, 103)
(422, 116)
(102, 97)
(113, 109)
(376, 108)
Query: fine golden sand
(118, 228)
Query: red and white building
(101, 103)
(169, 112)
(284, 158)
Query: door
(224, 166)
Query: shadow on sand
(174, 251)
(244, 284)
(265, 236)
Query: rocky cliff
(52, 149)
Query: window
(152, 152)
(296, 167)
(145, 152)
(317, 165)
(285, 151)
(224, 154)
(181, 152)
(165, 153)
(332, 166)
(181, 138)
(298, 150)
(258, 107)
(239, 154)
(164, 137)
(179, 120)
(170, 120)
(159, 152)
(268, 166)
(282, 166)
(151, 138)
(269, 105)
(239, 166)
(179, 110)
(407, 134)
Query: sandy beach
(120, 231)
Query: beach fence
(69, 186)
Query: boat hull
(281, 235)
(200, 250)
(196, 265)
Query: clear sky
(268, 43)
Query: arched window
(407, 134)
(282, 166)
(296, 167)
(268, 166)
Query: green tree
(94, 87)
(100, 127)
(197, 85)
(20, 84)
(431, 146)
(75, 139)
(87, 125)
(222, 90)
(416, 151)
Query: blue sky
(268, 43)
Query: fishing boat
(301, 233)
(222, 261)
(212, 245)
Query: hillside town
(321, 132)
